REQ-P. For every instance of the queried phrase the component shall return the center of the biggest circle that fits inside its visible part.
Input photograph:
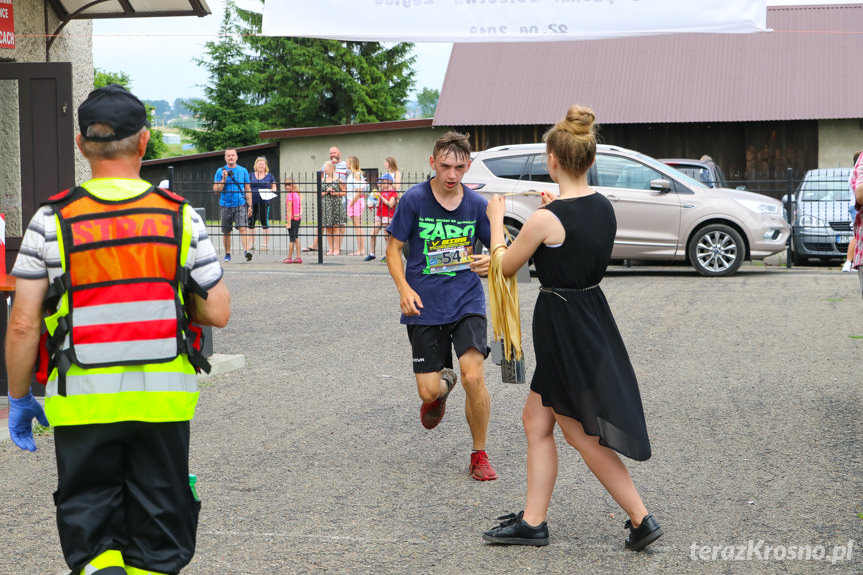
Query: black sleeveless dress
(582, 367)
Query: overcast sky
(157, 53)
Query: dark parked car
(821, 217)
(704, 171)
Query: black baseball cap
(116, 106)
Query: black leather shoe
(643, 535)
(514, 531)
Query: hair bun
(579, 120)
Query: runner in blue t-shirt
(233, 185)
(441, 295)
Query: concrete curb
(222, 363)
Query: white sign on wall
(507, 20)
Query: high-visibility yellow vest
(119, 340)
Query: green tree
(302, 82)
(156, 148)
(427, 100)
(228, 117)
(103, 78)
(162, 107)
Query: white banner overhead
(507, 20)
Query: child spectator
(387, 199)
(357, 187)
(294, 212)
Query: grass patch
(39, 429)
(832, 299)
(856, 336)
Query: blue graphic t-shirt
(234, 192)
(441, 243)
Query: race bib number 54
(449, 255)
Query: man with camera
(233, 184)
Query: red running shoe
(480, 468)
(431, 413)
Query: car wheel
(716, 250)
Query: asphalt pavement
(312, 459)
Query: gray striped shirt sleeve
(202, 260)
(39, 256)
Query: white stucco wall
(10, 175)
(75, 46)
(410, 147)
(837, 142)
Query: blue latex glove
(21, 414)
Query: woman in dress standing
(334, 214)
(584, 381)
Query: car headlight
(810, 221)
(759, 207)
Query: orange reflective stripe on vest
(122, 260)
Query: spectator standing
(391, 167)
(384, 203)
(584, 381)
(340, 169)
(263, 185)
(293, 215)
(852, 210)
(443, 306)
(120, 412)
(857, 186)
(233, 185)
(334, 214)
(357, 186)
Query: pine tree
(303, 82)
(227, 113)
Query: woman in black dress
(584, 381)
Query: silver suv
(661, 213)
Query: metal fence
(353, 237)
(816, 208)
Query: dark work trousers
(125, 486)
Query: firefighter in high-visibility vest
(111, 276)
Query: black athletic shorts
(432, 345)
(125, 486)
